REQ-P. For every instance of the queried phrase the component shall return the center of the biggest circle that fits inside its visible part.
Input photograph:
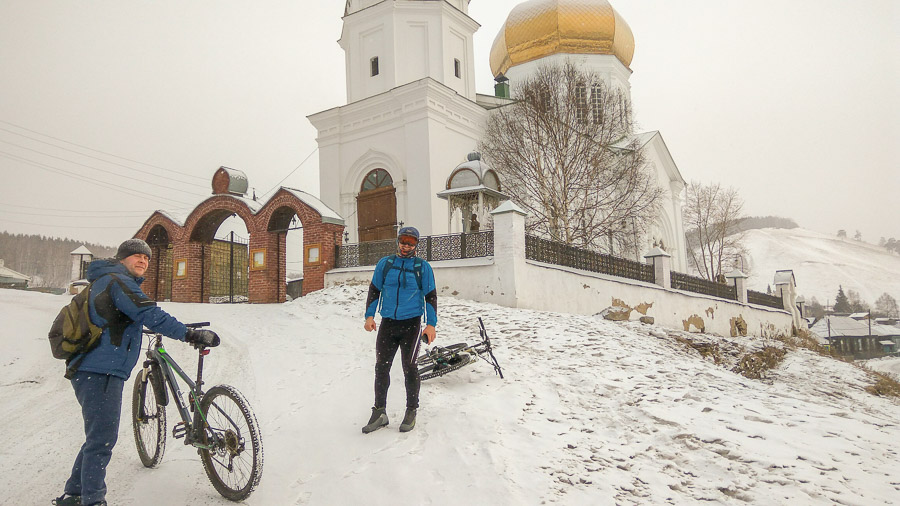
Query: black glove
(201, 336)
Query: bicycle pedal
(179, 430)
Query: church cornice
(422, 99)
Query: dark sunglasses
(408, 242)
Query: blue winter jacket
(121, 309)
(399, 292)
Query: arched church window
(491, 180)
(597, 103)
(463, 178)
(581, 103)
(378, 178)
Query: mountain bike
(440, 360)
(218, 422)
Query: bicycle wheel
(433, 370)
(440, 353)
(149, 429)
(233, 459)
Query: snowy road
(590, 412)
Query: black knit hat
(131, 247)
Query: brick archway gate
(186, 245)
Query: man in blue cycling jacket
(404, 285)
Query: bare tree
(886, 306)
(565, 153)
(714, 243)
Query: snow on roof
(81, 250)
(328, 214)
(844, 326)
(11, 275)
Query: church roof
(539, 28)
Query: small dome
(539, 28)
(473, 172)
(228, 180)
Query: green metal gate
(229, 270)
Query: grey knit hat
(131, 247)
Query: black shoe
(409, 421)
(378, 420)
(67, 500)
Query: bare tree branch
(565, 153)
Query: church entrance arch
(190, 244)
(376, 207)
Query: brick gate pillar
(188, 277)
(267, 267)
(319, 242)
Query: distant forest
(754, 222)
(46, 259)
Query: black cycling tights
(393, 334)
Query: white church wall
(560, 289)
(508, 279)
(607, 66)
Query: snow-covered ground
(591, 412)
(821, 263)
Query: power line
(290, 173)
(142, 171)
(60, 226)
(95, 168)
(132, 214)
(84, 210)
(92, 149)
(89, 180)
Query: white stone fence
(509, 279)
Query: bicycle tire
(233, 468)
(442, 352)
(434, 370)
(149, 431)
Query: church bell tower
(389, 43)
(411, 115)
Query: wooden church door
(376, 207)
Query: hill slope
(591, 412)
(821, 262)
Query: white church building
(400, 148)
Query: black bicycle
(440, 360)
(219, 422)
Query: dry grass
(755, 365)
(709, 351)
(885, 385)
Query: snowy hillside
(591, 412)
(822, 262)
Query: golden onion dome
(539, 28)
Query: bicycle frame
(194, 424)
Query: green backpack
(73, 332)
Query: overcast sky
(110, 109)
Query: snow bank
(591, 412)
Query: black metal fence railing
(558, 253)
(431, 248)
(764, 299)
(694, 284)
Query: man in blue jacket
(405, 286)
(118, 306)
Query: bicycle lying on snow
(440, 360)
(218, 422)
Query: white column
(509, 252)
(662, 267)
(738, 280)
